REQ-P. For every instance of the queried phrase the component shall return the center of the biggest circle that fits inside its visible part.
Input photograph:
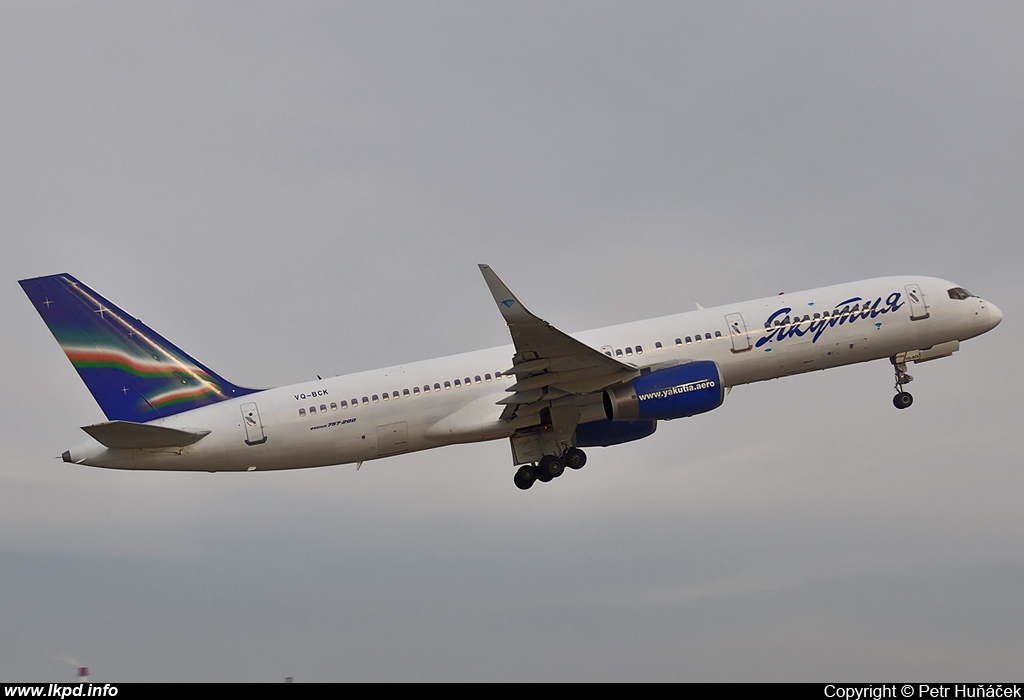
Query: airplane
(550, 394)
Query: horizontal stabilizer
(125, 435)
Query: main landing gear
(903, 399)
(550, 467)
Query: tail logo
(133, 373)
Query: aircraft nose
(994, 315)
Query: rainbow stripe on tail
(133, 372)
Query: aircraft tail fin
(133, 372)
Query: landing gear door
(918, 306)
(254, 434)
(738, 332)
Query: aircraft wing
(552, 369)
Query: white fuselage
(346, 419)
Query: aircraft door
(738, 332)
(918, 306)
(254, 434)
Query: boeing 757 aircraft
(550, 394)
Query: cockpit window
(959, 293)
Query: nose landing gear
(903, 399)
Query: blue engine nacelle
(602, 433)
(676, 392)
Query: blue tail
(133, 372)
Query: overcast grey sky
(302, 188)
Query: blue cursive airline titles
(783, 327)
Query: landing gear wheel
(902, 400)
(574, 458)
(525, 477)
(550, 467)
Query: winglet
(512, 310)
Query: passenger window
(334, 406)
(405, 392)
(688, 341)
(657, 346)
(302, 411)
(487, 377)
(618, 352)
(385, 397)
(312, 410)
(366, 400)
(323, 408)
(416, 391)
(394, 394)
(476, 379)
(707, 336)
(639, 350)
(679, 341)
(447, 385)
(375, 398)
(718, 334)
(629, 352)
(344, 404)
(697, 338)
(457, 385)
(497, 375)
(437, 387)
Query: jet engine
(675, 392)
